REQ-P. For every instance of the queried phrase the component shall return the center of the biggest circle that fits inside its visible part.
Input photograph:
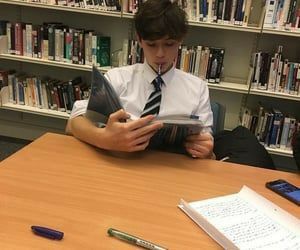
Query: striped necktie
(153, 103)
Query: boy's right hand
(128, 136)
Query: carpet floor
(9, 145)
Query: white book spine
(197, 61)
(270, 12)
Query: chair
(219, 111)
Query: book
(104, 101)
(245, 220)
(256, 14)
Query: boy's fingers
(200, 137)
(118, 115)
(141, 122)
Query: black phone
(285, 189)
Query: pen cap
(47, 232)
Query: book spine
(19, 39)
(51, 43)
(274, 134)
(104, 51)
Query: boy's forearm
(84, 130)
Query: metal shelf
(51, 63)
(295, 33)
(34, 110)
(229, 86)
(275, 94)
(279, 151)
(226, 26)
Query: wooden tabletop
(62, 183)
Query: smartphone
(285, 189)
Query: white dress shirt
(182, 93)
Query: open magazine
(104, 101)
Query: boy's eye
(151, 44)
(170, 44)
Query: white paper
(250, 221)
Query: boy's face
(161, 51)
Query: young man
(161, 26)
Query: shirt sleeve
(204, 109)
(79, 108)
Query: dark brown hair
(156, 19)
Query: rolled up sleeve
(79, 108)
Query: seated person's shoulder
(189, 77)
(123, 71)
(79, 108)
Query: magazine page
(103, 99)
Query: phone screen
(285, 189)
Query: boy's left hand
(200, 145)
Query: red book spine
(19, 39)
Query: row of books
(279, 14)
(57, 42)
(106, 5)
(236, 12)
(202, 61)
(131, 53)
(282, 14)
(274, 73)
(271, 127)
(46, 93)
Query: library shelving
(61, 7)
(51, 63)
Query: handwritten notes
(248, 221)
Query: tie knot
(157, 82)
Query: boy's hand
(129, 136)
(200, 145)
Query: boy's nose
(160, 52)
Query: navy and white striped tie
(153, 103)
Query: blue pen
(47, 232)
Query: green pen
(134, 240)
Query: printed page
(246, 225)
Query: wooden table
(62, 183)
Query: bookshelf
(239, 43)
(26, 59)
(281, 32)
(34, 110)
(62, 8)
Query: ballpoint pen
(134, 240)
(159, 69)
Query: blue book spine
(275, 128)
(290, 78)
(285, 132)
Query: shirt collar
(150, 74)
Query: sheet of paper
(245, 224)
